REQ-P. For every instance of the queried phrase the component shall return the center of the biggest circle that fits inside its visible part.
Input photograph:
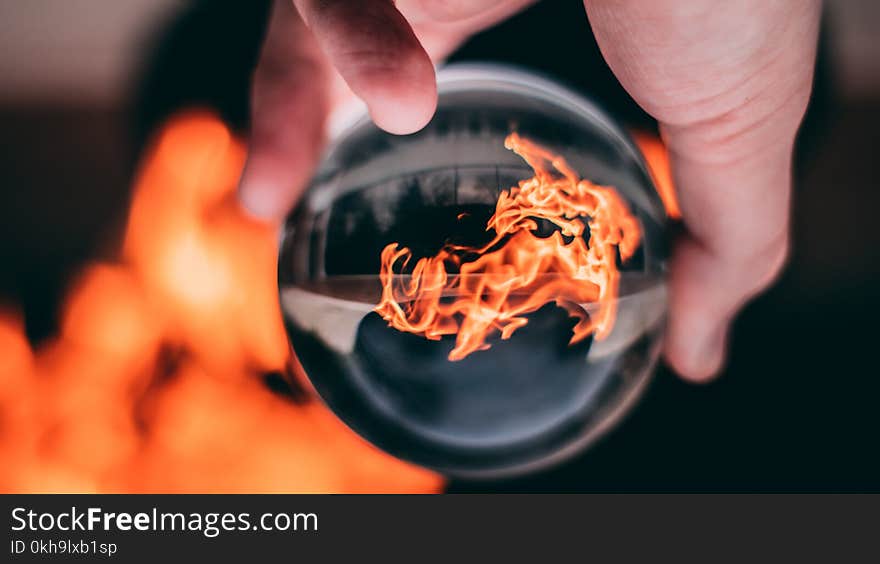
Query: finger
(379, 57)
(417, 11)
(715, 271)
(443, 25)
(288, 110)
(729, 83)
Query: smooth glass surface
(526, 402)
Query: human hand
(321, 55)
(728, 83)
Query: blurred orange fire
(657, 157)
(153, 382)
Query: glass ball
(487, 296)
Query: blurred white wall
(74, 52)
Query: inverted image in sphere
(487, 296)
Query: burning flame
(154, 381)
(657, 157)
(518, 272)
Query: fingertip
(691, 371)
(697, 357)
(255, 205)
(380, 58)
(261, 200)
(404, 109)
(399, 88)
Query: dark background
(795, 408)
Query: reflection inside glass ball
(487, 296)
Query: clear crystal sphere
(480, 303)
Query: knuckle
(743, 132)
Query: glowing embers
(473, 292)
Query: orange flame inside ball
(518, 271)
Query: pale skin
(727, 81)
